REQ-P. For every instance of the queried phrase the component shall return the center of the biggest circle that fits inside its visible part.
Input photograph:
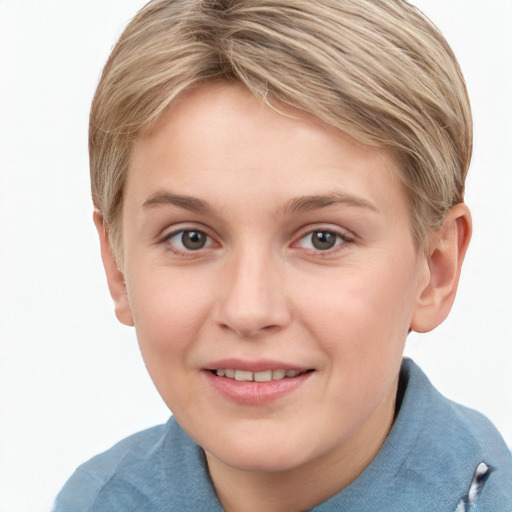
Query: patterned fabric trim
(480, 477)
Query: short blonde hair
(378, 70)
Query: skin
(222, 163)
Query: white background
(71, 379)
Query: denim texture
(427, 464)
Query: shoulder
(454, 445)
(159, 469)
(128, 476)
(438, 456)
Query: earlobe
(448, 248)
(115, 277)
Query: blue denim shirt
(438, 457)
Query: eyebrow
(186, 202)
(314, 202)
(297, 204)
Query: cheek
(362, 316)
(168, 319)
(168, 312)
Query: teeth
(244, 376)
(264, 376)
(278, 374)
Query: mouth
(256, 383)
(259, 376)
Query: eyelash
(167, 239)
(341, 238)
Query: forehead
(218, 138)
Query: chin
(262, 463)
(266, 456)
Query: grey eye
(323, 240)
(193, 240)
(189, 240)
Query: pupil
(193, 240)
(323, 240)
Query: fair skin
(258, 242)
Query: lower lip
(255, 393)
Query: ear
(444, 260)
(115, 277)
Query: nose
(252, 299)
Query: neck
(310, 484)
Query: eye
(322, 240)
(189, 240)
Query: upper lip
(254, 366)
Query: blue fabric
(427, 464)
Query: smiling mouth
(263, 376)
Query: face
(271, 276)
